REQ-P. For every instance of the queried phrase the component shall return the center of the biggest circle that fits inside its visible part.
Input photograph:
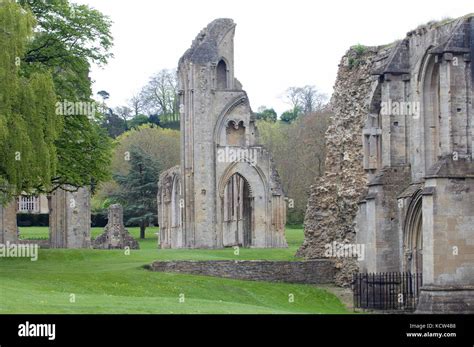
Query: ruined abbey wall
(332, 205)
(399, 165)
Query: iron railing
(387, 290)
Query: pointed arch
(222, 75)
(413, 234)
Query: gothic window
(431, 117)
(235, 133)
(372, 143)
(221, 75)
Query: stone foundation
(446, 300)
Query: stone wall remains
(319, 271)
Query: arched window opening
(221, 74)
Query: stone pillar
(448, 240)
(70, 219)
(394, 114)
(8, 226)
(115, 235)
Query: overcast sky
(278, 44)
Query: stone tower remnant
(226, 192)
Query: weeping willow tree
(29, 126)
(68, 39)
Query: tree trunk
(142, 230)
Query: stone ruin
(226, 192)
(399, 169)
(69, 219)
(8, 227)
(115, 235)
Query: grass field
(113, 282)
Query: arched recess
(237, 223)
(221, 75)
(253, 204)
(235, 133)
(431, 111)
(372, 141)
(221, 120)
(413, 235)
(176, 217)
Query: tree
(103, 94)
(311, 100)
(293, 98)
(303, 100)
(114, 124)
(161, 93)
(137, 103)
(290, 115)
(67, 39)
(298, 150)
(161, 146)
(136, 121)
(28, 124)
(267, 114)
(139, 189)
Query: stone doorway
(413, 242)
(238, 212)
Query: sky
(278, 44)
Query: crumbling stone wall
(332, 205)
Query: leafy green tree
(138, 189)
(291, 115)
(266, 114)
(28, 125)
(161, 145)
(84, 152)
(114, 124)
(298, 150)
(67, 39)
(136, 121)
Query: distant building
(33, 204)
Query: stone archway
(413, 235)
(237, 212)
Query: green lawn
(112, 282)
